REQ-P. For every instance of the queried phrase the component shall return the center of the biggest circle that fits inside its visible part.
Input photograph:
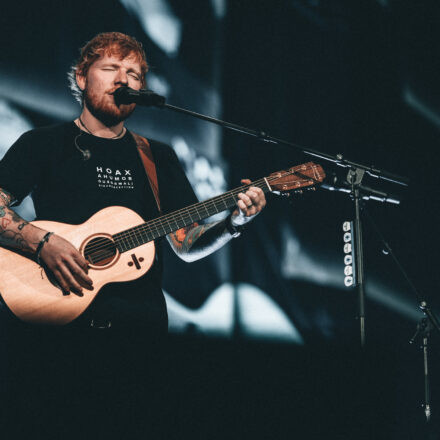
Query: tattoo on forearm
(5, 223)
(9, 216)
(14, 239)
(184, 237)
(15, 217)
(197, 241)
(193, 234)
(190, 238)
(6, 197)
(11, 224)
(22, 225)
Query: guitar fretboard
(166, 224)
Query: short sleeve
(175, 190)
(20, 167)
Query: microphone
(127, 95)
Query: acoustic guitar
(119, 246)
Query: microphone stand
(352, 186)
(424, 326)
(358, 192)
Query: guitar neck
(166, 224)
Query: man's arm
(197, 241)
(60, 256)
(15, 231)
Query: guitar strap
(146, 155)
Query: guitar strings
(187, 211)
(193, 208)
(102, 245)
(131, 233)
(184, 214)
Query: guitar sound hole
(100, 251)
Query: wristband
(235, 231)
(41, 244)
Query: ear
(80, 80)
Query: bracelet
(41, 244)
(235, 231)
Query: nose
(121, 77)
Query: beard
(104, 109)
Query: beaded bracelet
(41, 244)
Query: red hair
(111, 43)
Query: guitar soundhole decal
(100, 251)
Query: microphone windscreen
(122, 96)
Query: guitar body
(32, 294)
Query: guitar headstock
(305, 175)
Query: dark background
(357, 78)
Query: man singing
(74, 169)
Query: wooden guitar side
(32, 297)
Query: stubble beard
(105, 110)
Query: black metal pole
(426, 376)
(127, 95)
(262, 135)
(354, 179)
(359, 264)
(424, 327)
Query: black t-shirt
(46, 164)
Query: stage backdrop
(338, 77)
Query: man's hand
(67, 264)
(249, 204)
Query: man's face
(104, 76)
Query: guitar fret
(157, 231)
(144, 236)
(163, 229)
(132, 240)
(137, 238)
(183, 220)
(149, 236)
(197, 211)
(207, 210)
(169, 226)
(224, 202)
(176, 224)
